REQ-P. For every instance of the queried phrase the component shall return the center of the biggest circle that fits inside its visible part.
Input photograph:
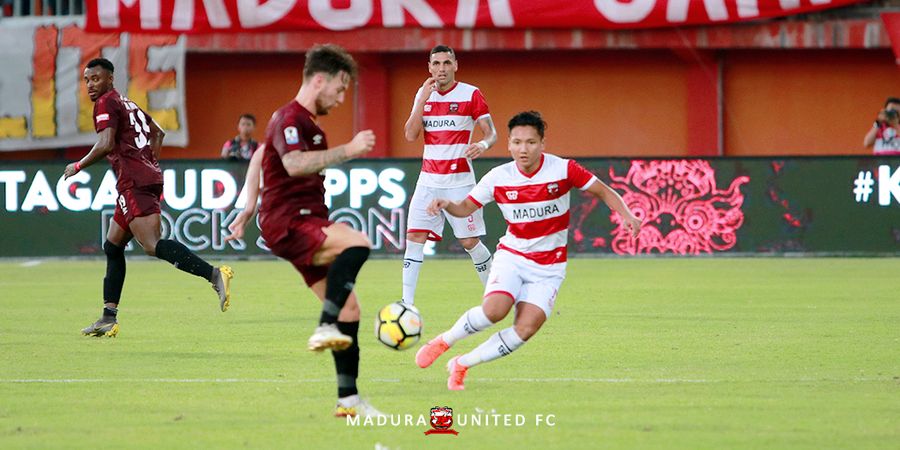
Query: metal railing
(27, 8)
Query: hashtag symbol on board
(863, 186)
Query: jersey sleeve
(483, 192)
(415, 100)
(579, 176)
(479, 105)
(287, 137)
(106, 115)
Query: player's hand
(70, 170)
(632, 224)
(436, 206)
(237, 226)
(881, 117)
(476, 149)
(362, 143)
(428, 87)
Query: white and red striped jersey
(448, 120)
(535, 206)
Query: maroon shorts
(137, 202)
(304, 238)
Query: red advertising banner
(44, 102)
(207, 16)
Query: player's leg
(503, 286)
(346, 361)
(419, 227)
(344, 250)
(472, 321)
(532, 310)
(147, 231)
(467, 230)
(116, 239)
(481, 256)
(413, 257)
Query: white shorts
(515, 276)
(420, 221)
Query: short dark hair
(249, 117)
(892, 100)
(329, 59)
(442, 49)
(529, 119)
(102, 62)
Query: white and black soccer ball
(398, 326)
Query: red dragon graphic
(682, 210)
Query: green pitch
(652, 353)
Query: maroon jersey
(285, 198)
(131, 157)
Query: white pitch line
(394, 380)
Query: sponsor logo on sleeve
(291, 136)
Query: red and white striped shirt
(535, 206)
(448, 120)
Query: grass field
(640, 353)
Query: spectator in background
(242, 146)
(882, 137)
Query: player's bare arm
(156, 138)
(476, 149)
(614, 201)
(299, 163)
(104, 145)
(462, 208)
(251, 183)
(414, 125)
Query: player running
(294, 218)
(532, 192)
(447, 111)
(131, 140)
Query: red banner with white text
(207, 16)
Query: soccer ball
(398, 325)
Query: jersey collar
(530, 175)
(455, 84)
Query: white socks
(412, 262)
(481, 258)
(500, 344)
(415, 254)
(471, 322)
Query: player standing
(131, 140)
(532, 192)
(447, 111)
(294, 218)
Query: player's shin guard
(471, 322)
(340, 281)
(481, 258)
(115, 272)
(183, 259)
(500, 344)
(412, 262)
(346, 362)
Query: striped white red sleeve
(416, 100)
(479, 105)
(483, 192)
(579, 176)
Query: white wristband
(484, 144)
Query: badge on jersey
(101, 117)
(317, 139)
(427, 108)
(291, 136)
